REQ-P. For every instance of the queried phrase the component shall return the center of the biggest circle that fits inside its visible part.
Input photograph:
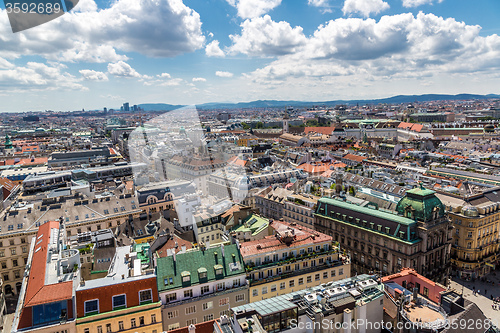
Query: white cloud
(253, 8)
(4, 64)
(416, 3)
(159, 28)
(263, 37)
(199, 79)
(364, 7)
(396, 47)
(122, 69)
(223, 74)
(213, 49)
(36, 76)
(317, 3)
(92, 75)
(164, 76)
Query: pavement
(482, 300)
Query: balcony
(286, 275)
(291, 260)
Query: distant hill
(159, 106)
(399, 99)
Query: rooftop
(286, 235)
(171, 270)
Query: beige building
(475, 245)
(294, 258)
(79, 213)
(299, 208)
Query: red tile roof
(175, 243)
(355, 158)
(302, 236)
(26, 161)
(36, 291)
(322, 130)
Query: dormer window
(218, 269)
(186, 276)
(202, 273)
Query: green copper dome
(8, 143)
(420, 204)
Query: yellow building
(294, 258)
(475, 244)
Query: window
(120, 326)
(191, 309)
(170, 297)
(224, 301)
(207, 305)
(99, 329)
(309, 279)
(301, 281)
(17, 274)
(191, 322)
(188, 293)
(208, 317)
(141, 321)
(332, 273)
(13, 251)
(25, 249)
(172, 314)
(2, 253)
(205, 289)
(282, 285)
(173, 326)
(220, 286)
(325, 275)
(108, 328)
(273, 288)
(255, 292)
(146, 296)
(341, 271)
(291, 283)
(6, 277)
(86, 330)
(119, 301)
(316, 277)
(264, 290)
(91, 307)
(132, 323)
(240, 297)
(4, 265)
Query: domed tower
(433, 228)
(8, 142)
(421, 204)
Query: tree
(352, 192)
(259, 125)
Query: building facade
(418, 237)
(200, 285)
(294, 258)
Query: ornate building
(475, 244)
(418, 237)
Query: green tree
(260, 124)
(352, 192)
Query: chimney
(123, 276)
(82, 283)
(222, 250)
(192, 328)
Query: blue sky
(105, 53)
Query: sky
(105, 53)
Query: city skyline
(169, 51)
